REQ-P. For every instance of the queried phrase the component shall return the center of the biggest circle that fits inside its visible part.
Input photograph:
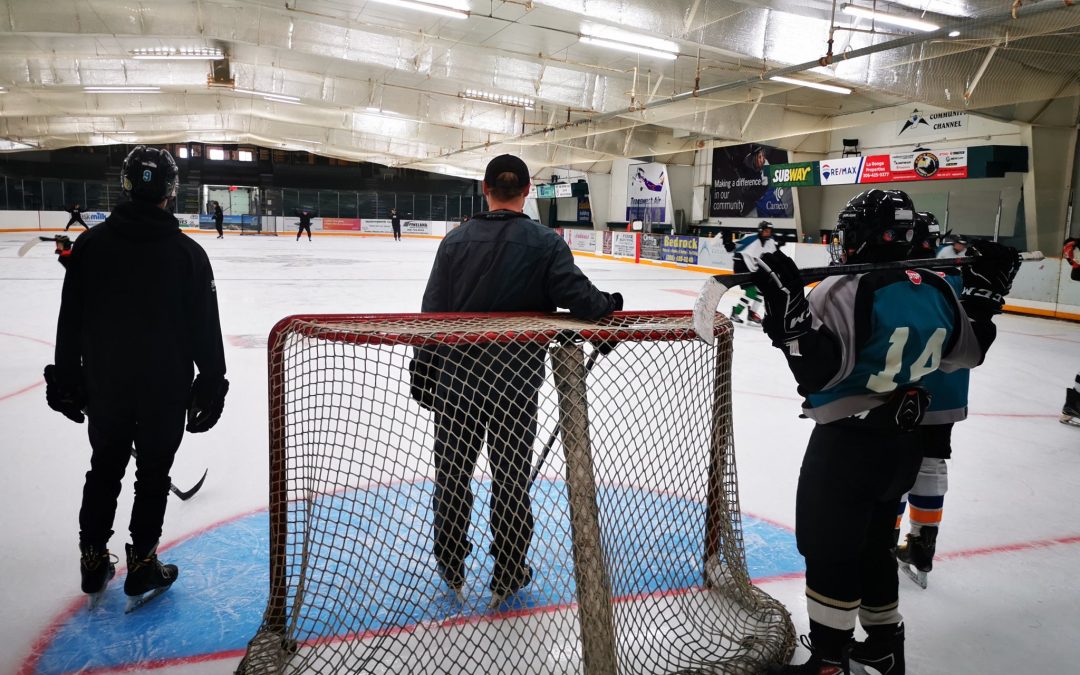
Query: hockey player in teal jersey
(948, 405)
(747, 251)
(858, 347)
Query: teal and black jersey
(750, 248)
(948, 391)
(892, 329)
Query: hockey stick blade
(186, 495)
(25, 248)
(716, 286)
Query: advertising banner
(929, 165)
(606, 246)
(679, 248)
(651, 245)
(740, 183)
(582, 240)
(844, 171)
(341, 224)
(917, 124)
(623, 244)
(563, 190)
(584, 210)
(376, 226)
(415, 227)
(711, 252)
(95, 217)
(647, 193)
(793, 175)
(186, 219)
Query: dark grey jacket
(503, 261)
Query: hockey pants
(155, 432)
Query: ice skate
(504, 586)
(915, 556)
(755, 318)
(883, 650)
(147, 577)
(454, 579)
(816, 664)
(1070, 412)
(736, 318)
(98, 568)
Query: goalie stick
(713, 290)
(59, 239)
(184, 495)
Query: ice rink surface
(1003, 597)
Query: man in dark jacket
(219, 218)
(395, 224)
(76, 217)
(500, 261)
(138, 312)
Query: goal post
(632, 530)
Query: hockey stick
(184, 495)
(709, 298)
(555, 433)
(60, 238)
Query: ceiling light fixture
(813, 85)
(125, 89)
(502, 99)
(302, 140)
(177, 54)
(430, 7)
(954, 33)
(270, 96)
(891, 19)
(627, 41)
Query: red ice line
(29, 666)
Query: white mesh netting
(403, 535)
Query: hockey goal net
(631, 527)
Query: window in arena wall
(215, 153)
(247, 156)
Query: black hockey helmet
(149, 174)
(764, 225)
(875, 226)
(924, 243)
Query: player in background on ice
(955, 247)
(219, 218)
(948, 405)
(747, 251)
(858, 346)
(76, 217)
(500, 261)
(395, 224)
(305, 223)
(1070, 412)
(137, 315)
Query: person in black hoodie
(76, 217)
(500, 261)
(138, 313)
(219, 217)
(395, 224)
(305, 223)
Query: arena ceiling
(382, 81)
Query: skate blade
(1070, 420)
(93, 600)
(134, 602)
(918, 576)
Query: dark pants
(301, 230)
(155, 432)
(845, 514)
(73, 220)
(397, 230)
(502, 410)
(220, 231)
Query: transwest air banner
(647, 193)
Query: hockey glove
(65, 395)
(423, 377)
(989, 279)
(787, 314)
(616, 302)
(207, 402)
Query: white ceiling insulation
(369, 81)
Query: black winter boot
(883, 649)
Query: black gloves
(207, 402)
(988, 280)
(423, 376)
(65, 394)
(787, 314)
(617, 302)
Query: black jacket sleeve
(68, 355)
(816, 359)
(569, 287)
(436, 295)
(208, 350)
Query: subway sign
(793, 175)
